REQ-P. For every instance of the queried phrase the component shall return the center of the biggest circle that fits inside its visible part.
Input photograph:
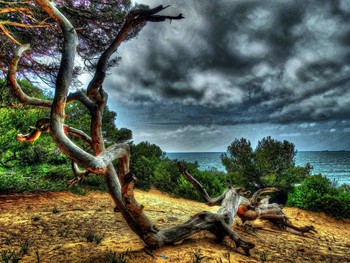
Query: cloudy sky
(236, 69)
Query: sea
(333, 165)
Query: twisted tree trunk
(120, 184)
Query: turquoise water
(334, 165)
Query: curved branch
(218, 224)
(79, 134)
(24, 98)
(158, 18)
(63, 80)
(5, 10)
(77, 172)
(257, 194)
(42, 125)
(146, 12)
(133, 19)
(82, 98)
(116, 151)
(15, 87)
(78, 175)
(8, 35)
(209, 201)
(10, 23)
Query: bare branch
(42, 125)
(116, 151)
(158, 18)
(64, 78)
(11, 23)
(14, 3)
(209, 201)
(218, 224)
(79, 134)
(11, 106)
(257, 194)
(15, 87)
(133, 19)
(82, 98)
(15, 9)
(145, 12)
(79, 175)
(9, 35)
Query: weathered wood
(247, 209)
(13, 84)
(121, 184)
(215, 223)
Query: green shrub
(319, 194)
(166, 175)
(212, 181)
(9, 182)
(144, 159)
(270, 164)
(167, 178)
(95, 182)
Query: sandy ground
(56, 227)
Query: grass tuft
(92, 237)
(112, 257)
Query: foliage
(30, 178)
(15, 120)
(25, 22)
(152, 169)
(39, 165)
(319, 194)
(240, 164)
(167, 178)
(144, 159)
(13, 256)
(78, 116)
(271, 164)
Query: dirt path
(58, 225)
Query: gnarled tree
(120, 182)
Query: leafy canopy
(24, 22)
(271, 164)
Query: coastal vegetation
(39, 166)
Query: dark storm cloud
(238, 62)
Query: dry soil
(56, 227)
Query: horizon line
(226, 151)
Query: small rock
(161, 220)
(312, 219)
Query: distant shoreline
(334, 165)
(319, 151)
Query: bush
(271, 164)
(319, 194)
(95, 182)
(9, 182)
(59, 173)
(144, 159)
(167, 178)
